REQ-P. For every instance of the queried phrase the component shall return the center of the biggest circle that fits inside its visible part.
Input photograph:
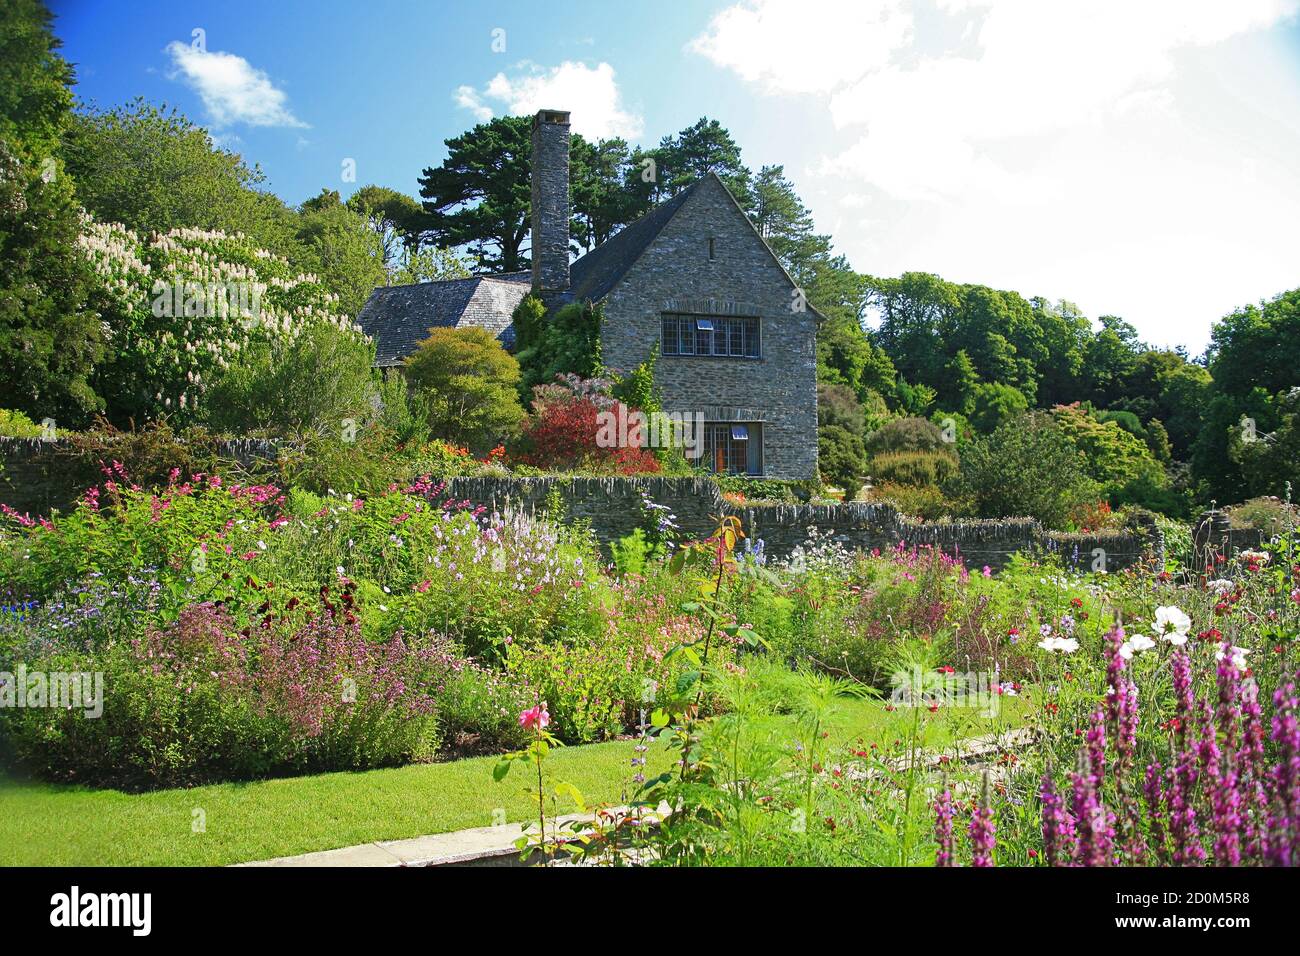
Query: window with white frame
(685, 334)
(733, 448)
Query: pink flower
(988, 572)
(535, 717)
(1295, 595)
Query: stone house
(737, 344)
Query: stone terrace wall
(613, 507)
(38, 475)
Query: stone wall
(675, 274)
(613, 508)
(39, 476)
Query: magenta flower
(1058, 825)
(535, 718)
(943, 828)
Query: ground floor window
(733, 448)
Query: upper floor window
(711, 335)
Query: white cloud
(1100, 150)
(811, 46)
(591, 94)
(232, 89)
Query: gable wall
(675, 274)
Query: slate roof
(595, 274)
(398, 317)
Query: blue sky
(1136, 157)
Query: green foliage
(922, 501)
(402, 412)
(633, 552)
(430, 264)
(637, 388)
(841, 459)
(470, 383)
(838, 405)
(1115, 458)
(479, 195)
(35, 80)
(1027, 467)
(599, 174)
(906, 434)
(50, 337)
(995, 403)
(226, 306)
(955, 428)
(318, 382)
(340, 245)
(1270, 515)
(914, 467)
(15, 424)
(393, 217)
(563, 342)
(153, 170)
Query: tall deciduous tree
(153, 170)
(392, 215)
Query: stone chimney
(550, 202)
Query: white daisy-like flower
(1140, 642)
(1066, 645)
(1221, 586)
(1171, 620)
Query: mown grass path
(44, 824)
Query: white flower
(1238, 655)
(1170, 620)
(1140, 642)
(261, 545)
(342, 573)
(1066, 645)
(1221, 586)
(1126, 650)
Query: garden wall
(613, 508)
(39, 475)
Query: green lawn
(42, 824)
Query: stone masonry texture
(675, 274)
(550, 203)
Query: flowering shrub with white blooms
(180, 308)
